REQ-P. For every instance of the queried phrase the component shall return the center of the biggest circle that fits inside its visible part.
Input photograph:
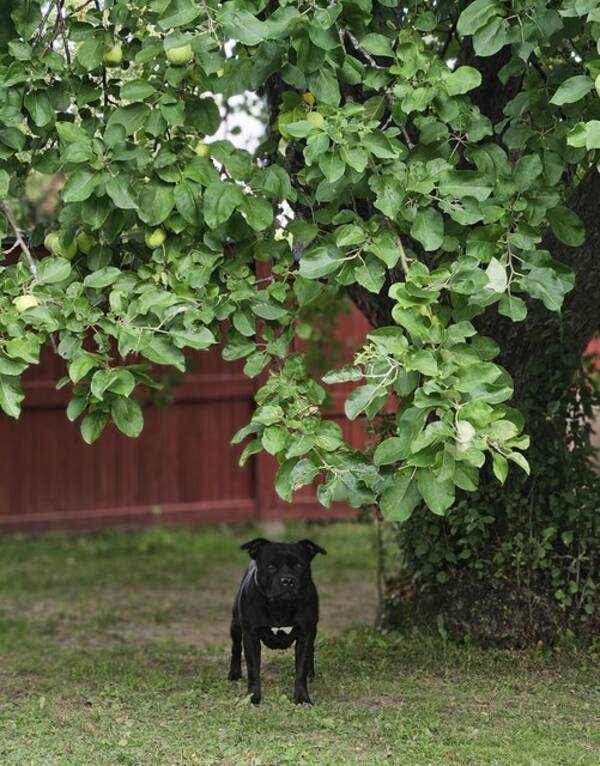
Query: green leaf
(40, 108)
(187, 197)
(513, 307)
(572, 90)
(585, 134)
(349, 235)
(79, 186)
(243, 26)
(520, 460)
(343, 375)
(11, 395)
(81, 365)
(566, 226)
(462, 80)
(90, 53)
(500, 466)
(497, 276)
(198, 339)
(178, 13)
(391, 451)
(439, 495)
(258, 212)
(131, 118)
(359, 400)
(53, 269)
(93, 425)
(283, 480)
(324, 85)
(137, 90)
(102, 278)
(303, 473)
(332, 166)
(546, 285)
(378, 45)
(465, 183)
(127, 416)
(491, 38)
(274, 439)
(161, 351)
(220, 200)
(320, 261)
(156, 203)
(428, 229)
(119, 190)
(399, 501)
(477, 15)
(116, 380)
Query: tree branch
(19, 236)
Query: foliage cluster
(538, 538)
(378, 167)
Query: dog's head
(282, 569)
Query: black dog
(277, 603)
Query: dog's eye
(298, 565)
(271, 567)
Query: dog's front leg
(252, 655)
(304, 653)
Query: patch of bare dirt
(198, 615)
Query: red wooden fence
(182, 469)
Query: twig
(407, 138)
(11, 249)
(40, 31)
(356, 45)
(81, 7)
(19, 235)
(403, 258)
(61, 26)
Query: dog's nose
(287, 582)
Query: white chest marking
(287, 629)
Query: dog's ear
(312, 548)
(253, 546)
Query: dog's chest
(278, 636)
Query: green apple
(181, 55)
(55, 245)
(85, 242)
(70, 251)
(113, 56)
(316, 119)
(308, 98)
(52, 243)
(24, 302)
(202, 149)
(155, 238)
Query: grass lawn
(114, 650)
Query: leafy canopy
(378, 172)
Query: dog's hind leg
(235, 669)
(311, 663)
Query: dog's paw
(234, 675)
(302, 698)
(255, 699)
